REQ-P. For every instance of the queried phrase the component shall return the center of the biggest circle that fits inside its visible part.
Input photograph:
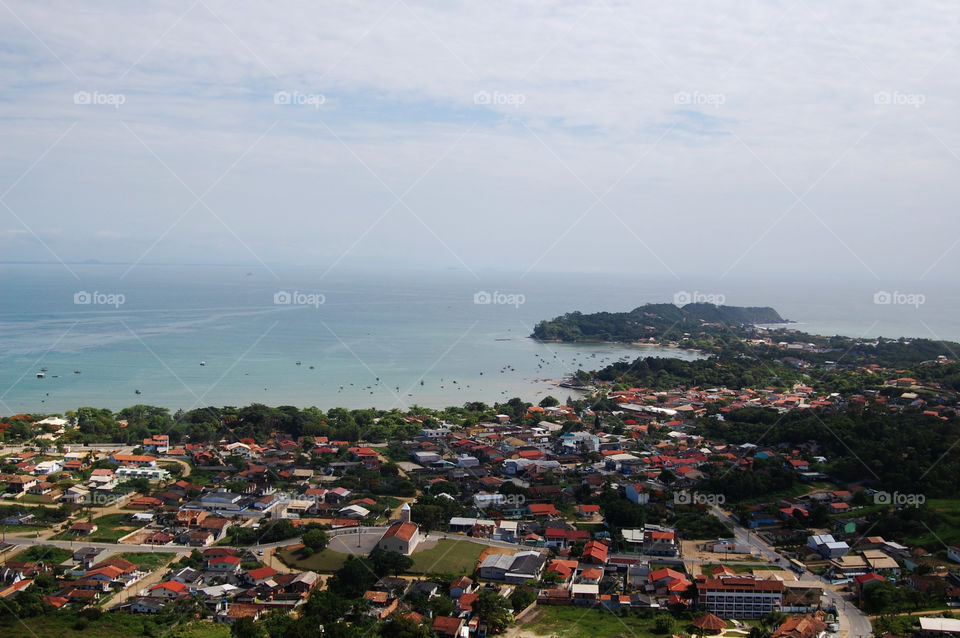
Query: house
(235, 611)
(801, 627)
(84, 528)
(588, 511)
(424, 588)
(259, 575)
(583, 594)
(169, 589)
(542, 510)
(402, 537)
(447, 626)
(19, 483)
(526, 566)
(636, 494)
(224, 564)
(595, 552)
(381, 603)
(462, 585)
(146, 605)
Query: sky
(665, 138)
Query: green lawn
(200, 629)
(447, 557)
(797, 489)
(63, 624)
(947, 532)
(580, 622)
(46, 553)
(325, 562)
(110, 528)
(149, 561)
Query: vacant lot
(147, 561)
(325, 562)
(110, 528)
(580, 622)
(447, 557)
(48, 554)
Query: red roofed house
(542, 510)
(169, 589)
(402, 537)
(447, 626)
(595, 552)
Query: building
(801, 627)
(636, 494)
(827, 546)
(939, 627)
(153, 474)
(739, 597)
(402, 537)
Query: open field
(148, 561)
(580, 622)
(199, 629)
(947, 532)
(110, 528)
(325, 562)
(46, 553)
(447, 557)
(66, 624)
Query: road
(853, 622)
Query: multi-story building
(735, 597)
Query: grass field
(580, 622)
(448, 557)
(797, 489)
(199, 629)
(947, 532)
(325, 562)
(63, 624)
(147, 561)
(46, 553)
(110, 528)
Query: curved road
(853, 622)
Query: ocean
(193, 336)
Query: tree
(549, 402)
(400, 627)
(316, 539)
(492, 607)
(521, 598)
(663, 624)
(247, 628)
(355, 577)
(389, 562)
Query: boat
(41, 375)
(203, 363)
(298, 363)
(76, 372)
(138, 391)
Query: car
(260, 553)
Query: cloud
(510, 124)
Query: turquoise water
(378, 335)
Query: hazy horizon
(660, 139)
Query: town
(535, 520)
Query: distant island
(652, 323)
